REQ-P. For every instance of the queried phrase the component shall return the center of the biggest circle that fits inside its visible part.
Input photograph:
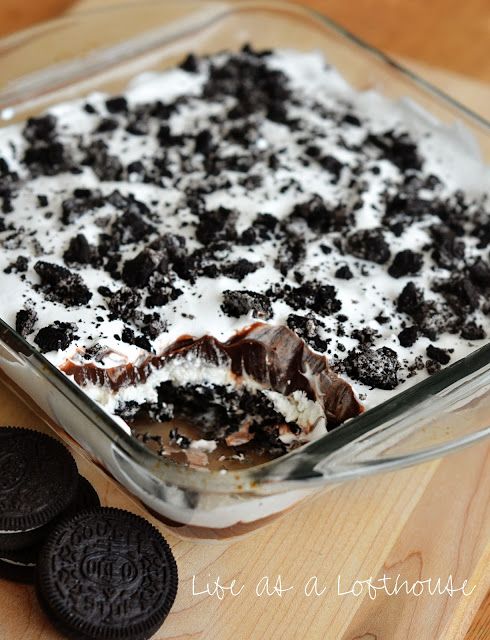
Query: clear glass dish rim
(245, 480)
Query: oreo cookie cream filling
(245, 245)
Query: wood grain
(429, 521)
(16, 15)
(480, 627)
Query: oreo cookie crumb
(365, 336)
(240, 269)
(344, 273)
(118, 104)
(129, 337)
(60, 284)
(254, 85)
(369, 244)
(332, 165)
(122, 303)
(472, 331)
(399, 149)
(448, 250)
(313, 296)
(46, 159)
(291, 253)
(106, 125)
(82, 201)
(438, 355)
(432, 366)
(25, 321)
(20, 265)
(219, 224)
(479, 273)
(405, 263)
(39, 129)
(56, 336)
(179, 439)
(138, 271)
(79, 251)
(204, 142)
(408, 336)
(106, 167)
(131, 226)
(460, 293)
(310, 329)
(377, 368)
(316, 215)
(351, 119)
(409, 299)
(241, 303)
(190, 64)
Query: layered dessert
(243, 249)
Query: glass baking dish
(102, 50)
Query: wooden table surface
(429, 521)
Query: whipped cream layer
(248, 173)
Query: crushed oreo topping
(239, 195)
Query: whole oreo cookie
(38, 480)
(20, 565)
(106, 574)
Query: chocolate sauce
(274, 356)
